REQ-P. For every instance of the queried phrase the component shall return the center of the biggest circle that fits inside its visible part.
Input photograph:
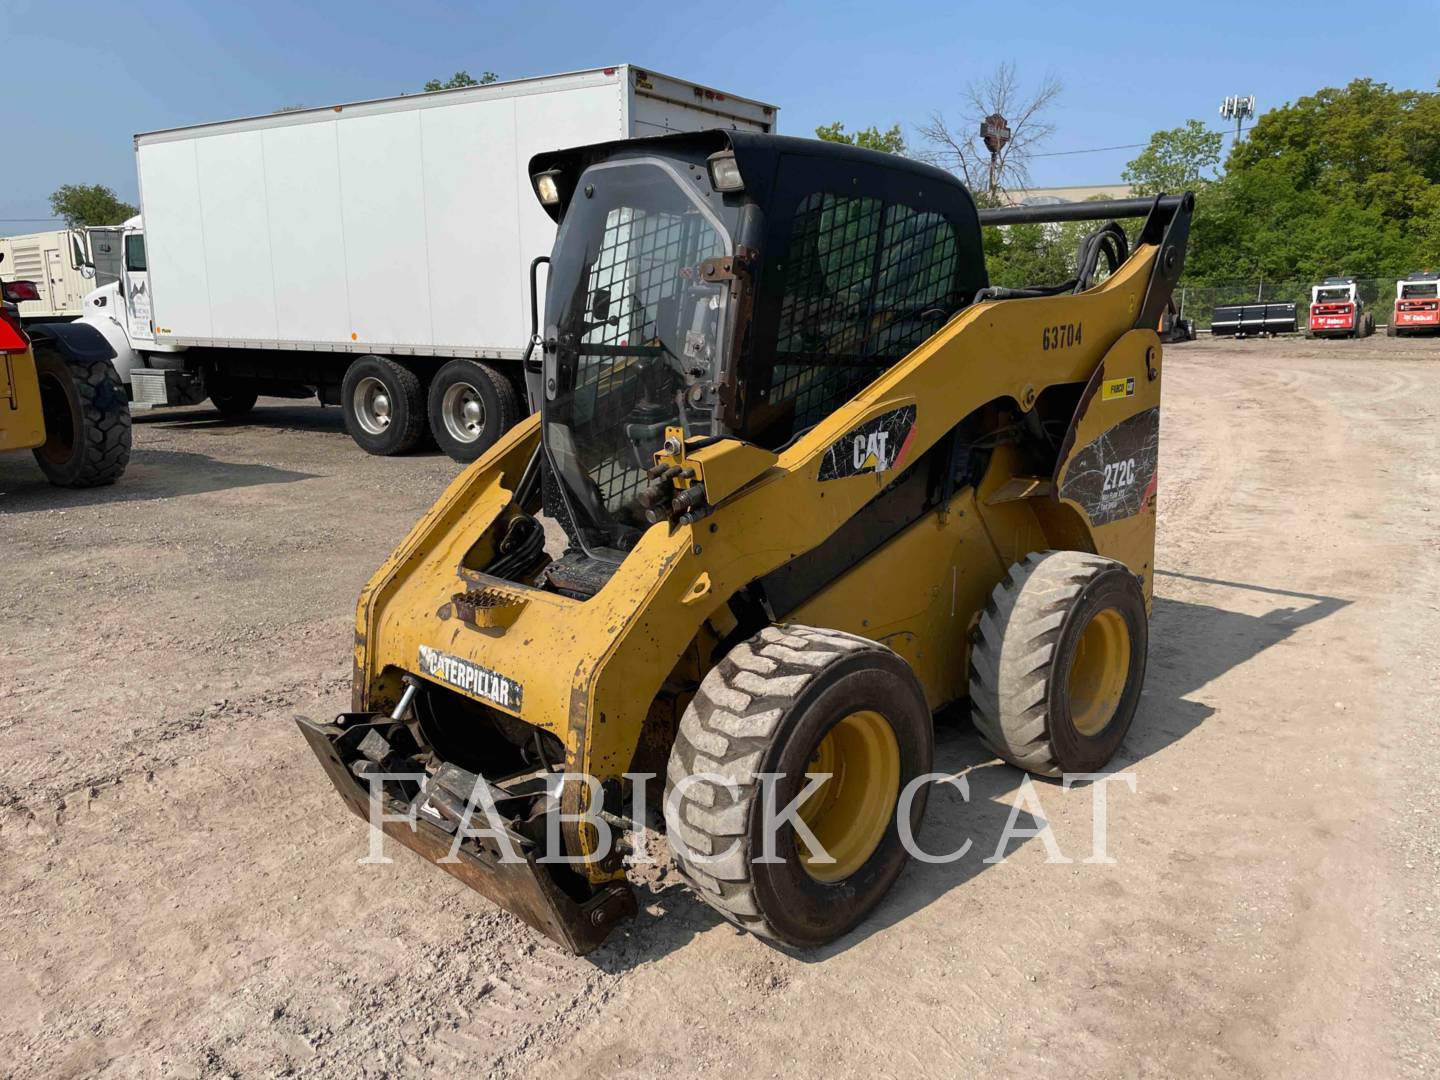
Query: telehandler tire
(384, 405)
(470, 406)
(1056, 674)
(792, 700)
(87, 420)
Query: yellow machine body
(22, 421)
(592, 671)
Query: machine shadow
(271, 413)
(1194, 643)
(152, 474)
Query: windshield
(634, 337)
(1331, 296)
(1418, 292)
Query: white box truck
(376, 255)
(51, 261)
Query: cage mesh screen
(865, 284)
(645, 261)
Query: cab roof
(758, 156)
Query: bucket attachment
(552, 898)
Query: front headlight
(725, 173)
(547, 186)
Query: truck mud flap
(525, 888)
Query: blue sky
(95, 74)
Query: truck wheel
(471, 405)
(231, 400)
(87, 420)
(1056, 674)
(384, 405)
(790, 701)
(1391, 330)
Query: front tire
(231, 399)
(470, 406)
(791, 700)
(384, 405)
(87, 420)
(1056, 674)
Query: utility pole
(995, 132)
(1238, 109)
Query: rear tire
(470, 406)
(790, 698)
(1392, 330)
(384, 405)
(87, 420)
(1056, 675)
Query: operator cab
(729, 284)
(1335, 290)
(1422, 285)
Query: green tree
(89, 204)
(1343, 181)
(871, 138)
(460, 78)
(1176, 160)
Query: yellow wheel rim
(850, 812)
(1099, 672)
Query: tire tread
(1010, 664)
(726, 728)
(103, 428)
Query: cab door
(106, 255)
(135, 288)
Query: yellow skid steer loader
(817, 480)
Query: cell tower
(1239, 109)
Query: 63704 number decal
(1060, 337)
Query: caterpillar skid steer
(817, 480)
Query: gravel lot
(179, 893)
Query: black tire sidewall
(230, 400)
(51, 365)
(498, 413)
(393, 440)
(802, 911)
(1073, 751)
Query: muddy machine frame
(873, 486)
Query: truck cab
(119, 308)
(1417, 304)
(1336, 310)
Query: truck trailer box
(401, 227)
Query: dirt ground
(179, 892)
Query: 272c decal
(1113, 477)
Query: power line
(31, 219)
(1126, 146)
(1094, 150)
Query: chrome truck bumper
(552, 899)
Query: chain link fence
(1198, 302)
